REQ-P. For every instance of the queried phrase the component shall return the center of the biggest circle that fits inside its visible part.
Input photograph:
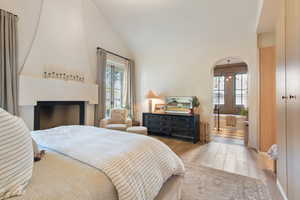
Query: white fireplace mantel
(34, 89)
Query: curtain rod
(112, 53)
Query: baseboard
(281, 190)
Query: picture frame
(159, 108)
(179, 104)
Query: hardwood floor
(228, 156)
(229, 133)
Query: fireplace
(50, 114)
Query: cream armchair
(118, 120)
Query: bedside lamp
(151, 95)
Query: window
(219, 90)
(115, 90)
(241, 89)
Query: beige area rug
(203, 183)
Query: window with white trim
(115, 87)
(241, 90)
(219, 90)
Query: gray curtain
(8, 62)
(101, 72)
(131, 90)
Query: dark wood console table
(180, 126)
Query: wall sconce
(229, 78)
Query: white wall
(67, 36)
(187, 71)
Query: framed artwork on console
(159, 108)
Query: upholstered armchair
(117, 121)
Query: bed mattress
(62, 178)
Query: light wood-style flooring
(229, 133)
(227, 155)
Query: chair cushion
(120, 127)
(138, 129)
(118, 116)
(16, 155)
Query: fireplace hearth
(51, 114)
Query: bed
(70, 169)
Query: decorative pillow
(16, 155)
(118, 116)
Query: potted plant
(195, 104)
(244, 112)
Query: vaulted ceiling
(149, 24)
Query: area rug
(203, 183)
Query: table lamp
(151, 95)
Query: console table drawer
(152, 118)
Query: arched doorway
(230, 99)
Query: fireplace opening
(51, 114)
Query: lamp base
(150, 105)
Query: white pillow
(16, 155)
(35, 147)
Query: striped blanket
(137, 165)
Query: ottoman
(138, 129)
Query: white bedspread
(137, 165)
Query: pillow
(118, 116)
(16, 155)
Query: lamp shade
(152, 95)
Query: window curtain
(101, 72)
(131, 95)
(125, 88)
(8, 62)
